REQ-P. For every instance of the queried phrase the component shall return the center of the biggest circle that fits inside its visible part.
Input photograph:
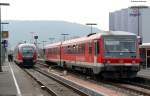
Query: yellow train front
(25, 55)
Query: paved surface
(7, 85)
(15, 82)
(144, 73)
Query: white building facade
(135, 19)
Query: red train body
(25, 54)
(110, 54)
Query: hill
(20, 31)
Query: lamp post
(1, 4)
(4, 36)
(32, 37)
(64, 34)
(43, 42)
(43, 47)
(136, 13)
(36, 37)
(91, 24)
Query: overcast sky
(78, 11)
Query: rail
(131, 87)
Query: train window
(49, 51)
(120, 47)
(90, 47)
(65, 49)
(83, 48)
(77, 48)
(73, 49)
(148, 52)
(27, 51)
(69, 50)
(56, 50)
(53, 51)
(96, 47)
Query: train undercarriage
(113, 71)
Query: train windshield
(120, 47)
(27, 51)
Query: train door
(90, 51)
(96, 50)
(147, 58)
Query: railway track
(138, 85)
(134, 89)
(53, 86)
(130, 86)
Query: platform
(145, 73)
(15, 82)
(7, 85)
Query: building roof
(139, 6)
(145, 45)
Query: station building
(145, 55)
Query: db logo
(135, 12)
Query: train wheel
(84, 70)
(64, 65)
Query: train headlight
(108, 61)
(120, 61)
(133, 62)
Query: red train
(110, 54)
(25, 54)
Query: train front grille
(27, 60)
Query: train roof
(26, 44)
(145, 45)
(119, 33)
(89, 37)
(96, 36)
(53, 44)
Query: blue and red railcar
(25, 54)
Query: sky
(76, 11)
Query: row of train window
(76, 49)
(54, 51)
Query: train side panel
(109, 54)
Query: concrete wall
(145, 25)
